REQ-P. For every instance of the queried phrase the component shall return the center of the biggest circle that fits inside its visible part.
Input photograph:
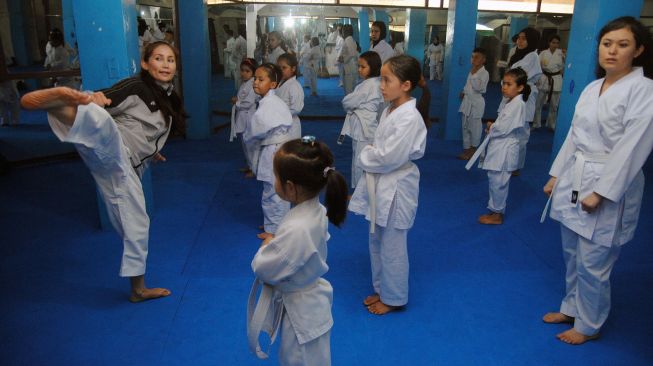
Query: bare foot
(264, 235)
(379, 308)
(557, 318)
(148, 294)
(374, 298)
(249, 174)
(572, 336)
(261, 227)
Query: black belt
(549, 76)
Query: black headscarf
(533, 39)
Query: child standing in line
(388, 194)
(501, 146)
(268, 129)
(290, 91)
(313, 65)
(244, 108)
(473, 104)
(363, 106)
(348, 58)
(289, 266)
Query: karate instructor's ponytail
(308, 163)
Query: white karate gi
(384, 50)
(531, 65)
(610, 138)
(473, 106)
(304, 55)
(245, 108)
(349, 56)
(274, 55)
(292, 93)
(435, 61)
(238, 53)
(502, 151)
(269, 128)
(313, 67)
(295, 297)
(364, 107)
(228, 63)
(340, 42)
(552, 63)
(110, 149)
(394, 178)
(399, 48)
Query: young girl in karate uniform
(118, 131)
(526, 58)
(348, 58)
(244, 108)
(290, 91)
(363, 106)
(379, 45)
(388, 193)
(290, 265)
(501, 146)
(268, 129)
(596, 183)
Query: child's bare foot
(148, 294)
(249, 174)
(264, 235)
(557, 318)
(374, 298)
(572, 336)
(379, 308)
(261, 227)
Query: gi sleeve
(393, 149)
(631, 151)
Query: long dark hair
(290, 59)
(379, 24)
(171, 105)
(307, 163)
(407, 68)
(642, 38)
(521, 79)
(532, 38)
(373, 61)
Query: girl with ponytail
(290, 265)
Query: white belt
(370, 179)
(232, 134)
(577, 178)
(257, 315)
(479, 151)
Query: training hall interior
(477, 292)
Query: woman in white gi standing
(348, 58)
(117, 132)
(313, 65)
(364, 107)
(388, 193)
(290, 266)
(596, 183)
(435, 52)
(527, 59)
(379, 45)
(268, 129)
(291, 91)
(552, 61)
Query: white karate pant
(435, 71)
(350, 72)
(472, 130)
(316, 352)
(274, 208)
(237, 78)
(499, 183)
(389, 260)
(588, 268)
(341, 73)
(311, 75)
(553, 109)
(356, 170)
(248, 151)
(99, 143)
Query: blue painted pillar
(517, 24)
(69, 34)
(115, 29)
(415, 33)
(461, 38)
(588, 19)
(381, 15)
(18, 32)
(271, 24)
(196, 63)
(356, 34)
(364, 30)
